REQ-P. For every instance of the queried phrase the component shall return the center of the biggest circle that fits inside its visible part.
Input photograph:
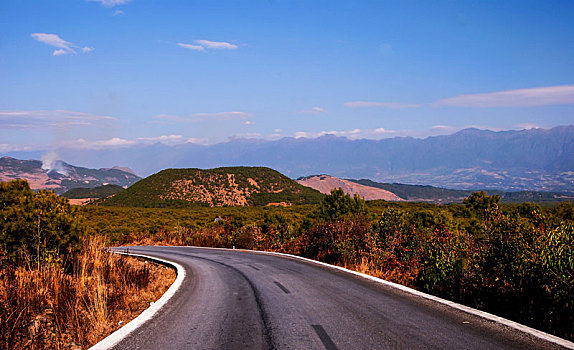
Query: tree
(338, 205)
(41, 225)
(485, 208)
(480, 203)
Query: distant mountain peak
(60, 176)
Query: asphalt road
(245, 300)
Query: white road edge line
(515, 325)
(117, 336)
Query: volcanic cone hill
(228, 186)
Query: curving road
(246, 300)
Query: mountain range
(60, 177)
(535, 159)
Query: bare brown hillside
(325, 183)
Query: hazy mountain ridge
(535, 159)
(60, 177)
(229, 186)
(420, 193)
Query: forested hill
(231, 186)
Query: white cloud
(98, 144)
(63, 46)
(118, 13)
(383, 131)
(216, 44)
(562, 94)
(199, 141)
(248, 122)
(59, 52)
(54, 40)
(111, 3)
(443, 128)
(191, 47)
(162, 139)
(202, 45)
(116, 142)
(353, 134)
(169, 118)
(528, 126)
(6, 147)
(313, 110)
(57, 119)
(360, 104)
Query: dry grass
(49, 308)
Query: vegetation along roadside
(59, 287)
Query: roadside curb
(117, 336)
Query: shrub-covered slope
(230, 186)
(96, 192)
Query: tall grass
(75, 304)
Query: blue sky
(115, 73)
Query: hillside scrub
(59, 288)
(219, 187)
(515, 261)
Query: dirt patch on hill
(326, 183)
(214, 190)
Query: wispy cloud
(191, 47)
(528, 126)
(118, 142)
(202, 45)
(216, 44)
(562, 94)
(163, 139)
(361, 104)
(111, 3)
(62, 46)
(198, 141)
(58, 119)
(313, 110)
(443, 128)
(59, 52)
(6, 147)
(118, 13)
